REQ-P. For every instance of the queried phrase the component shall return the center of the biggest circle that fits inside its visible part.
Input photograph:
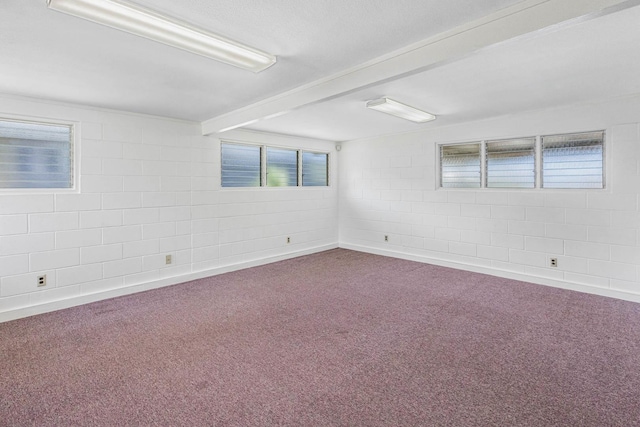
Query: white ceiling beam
(527, 17)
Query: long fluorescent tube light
(398, 109)
(151, 25)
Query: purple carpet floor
(339, 338)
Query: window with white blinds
(247, 165)
(282, 167)
(241, 165)
(314, 169)
(35, 155)
(511, 163)
(568, 161)
(460, 166)
(573, 160)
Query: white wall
(149, 187)
(388, 187)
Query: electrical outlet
(554, 262)
(42, 280)
(167, 259)
(386, 238)
(288, 239)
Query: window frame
(481, 162)
(263, 165)
(538, 163)
(297, 160)
(75, 152)
(604, 159)
(262, 175)
(301, 169)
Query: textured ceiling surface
(590, 61)
(50, 55)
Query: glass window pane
(240, 165)
(573, 161)
(282, 167)
(314, 169)
(35, 155)
(460, 166)
(511, 163)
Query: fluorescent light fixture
(398, 109)
(151, 25)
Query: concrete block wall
(389, 186)
(149, 187)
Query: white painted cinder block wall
(149, 187)
(388, 186)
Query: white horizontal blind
(314, 169)
(35, 155)
(511, 163)
(460, 166)
(573, 160)
(282, 167)
(240, 165)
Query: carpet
(338, 338)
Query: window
(241, 165)
(35, 155)
(554, 161)
(245, 165)
(315, 169)
(573, 161)
(460, 165)
(282, 167)
(511, 163)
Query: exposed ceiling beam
(527, 17)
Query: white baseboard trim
(21, 312)
(606, 292)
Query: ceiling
(589, 61)
(49, 55)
